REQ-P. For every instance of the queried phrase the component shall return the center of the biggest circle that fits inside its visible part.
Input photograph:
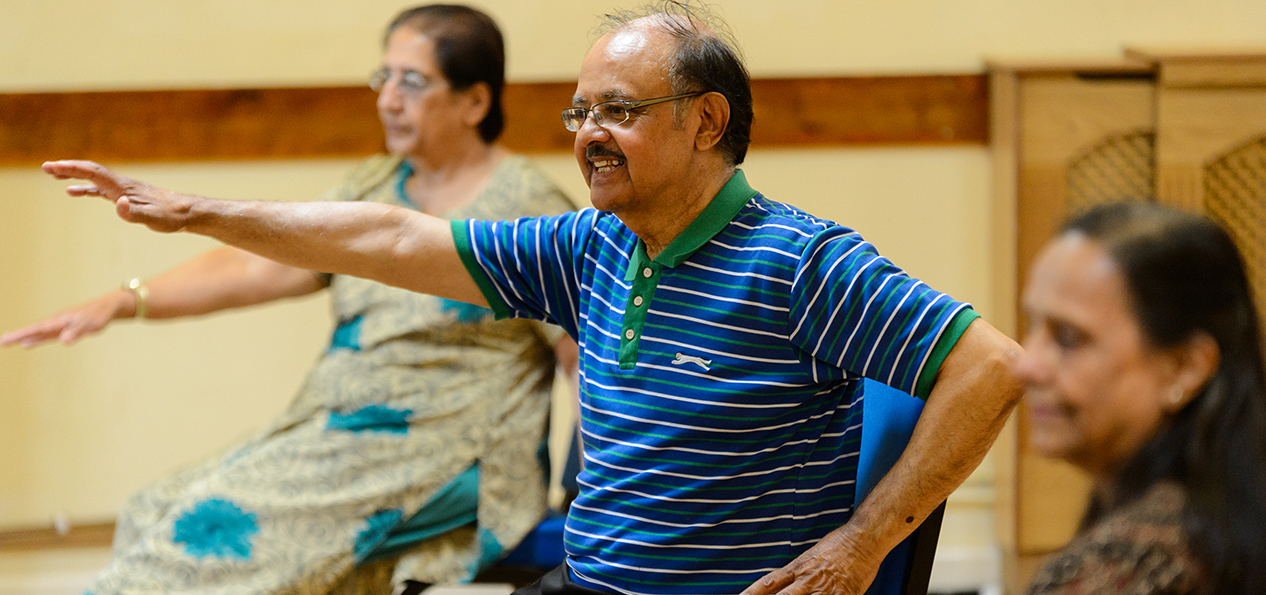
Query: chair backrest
(888, 418)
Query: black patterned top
(1139, 549)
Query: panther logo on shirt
(690, 359)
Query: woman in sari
(411, 451)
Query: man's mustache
(599, 151)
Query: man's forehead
(623, 64)
(626, 43)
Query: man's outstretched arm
(974, 393)
(388, 244)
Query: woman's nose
(389, 98)
(1033, 365)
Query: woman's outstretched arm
(217, 280)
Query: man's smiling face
(634, 164)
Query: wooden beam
(188, 125)
(310, 122)
(43, 538)
(880, 110)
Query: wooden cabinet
(1187, 129)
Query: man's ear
(478, 102)
(714, 115)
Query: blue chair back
(888, 419)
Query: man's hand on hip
(835, 566)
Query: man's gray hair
(707, 59)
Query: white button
(628, 334)
(637, 300)
(647, 272)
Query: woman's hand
(134, 201)
(73, 324)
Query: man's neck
(677, 212)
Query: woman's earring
(1176, 395)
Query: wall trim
(43, 538)
(317, 122)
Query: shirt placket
(645, 280)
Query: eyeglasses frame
(404, 87)
(629, 106)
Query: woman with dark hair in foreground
(1144, 368)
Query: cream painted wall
(80, 44)
(15, 269)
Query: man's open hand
(134, 201)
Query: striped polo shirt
(720, 380)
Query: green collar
(714, 217)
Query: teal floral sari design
(216, 527)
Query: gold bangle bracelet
(140, 294)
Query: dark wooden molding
(878, 110)
(43, 538)
(309, 122)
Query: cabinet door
(1235, 196)
(1211, 147)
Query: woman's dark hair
(1185, 276)
(707, 59)
(469, 49)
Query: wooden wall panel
(1205, 68)
(1203, 118)
(228, 124)
(188, 125)
(40, 538)
(931, 110)
(1200, 125)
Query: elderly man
(723, 335)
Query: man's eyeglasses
(612, 112)
(410, 83)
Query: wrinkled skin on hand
(832, 567)
(134, 201)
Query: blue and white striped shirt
(720, 399)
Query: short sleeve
(528, 267)
(856, 313)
